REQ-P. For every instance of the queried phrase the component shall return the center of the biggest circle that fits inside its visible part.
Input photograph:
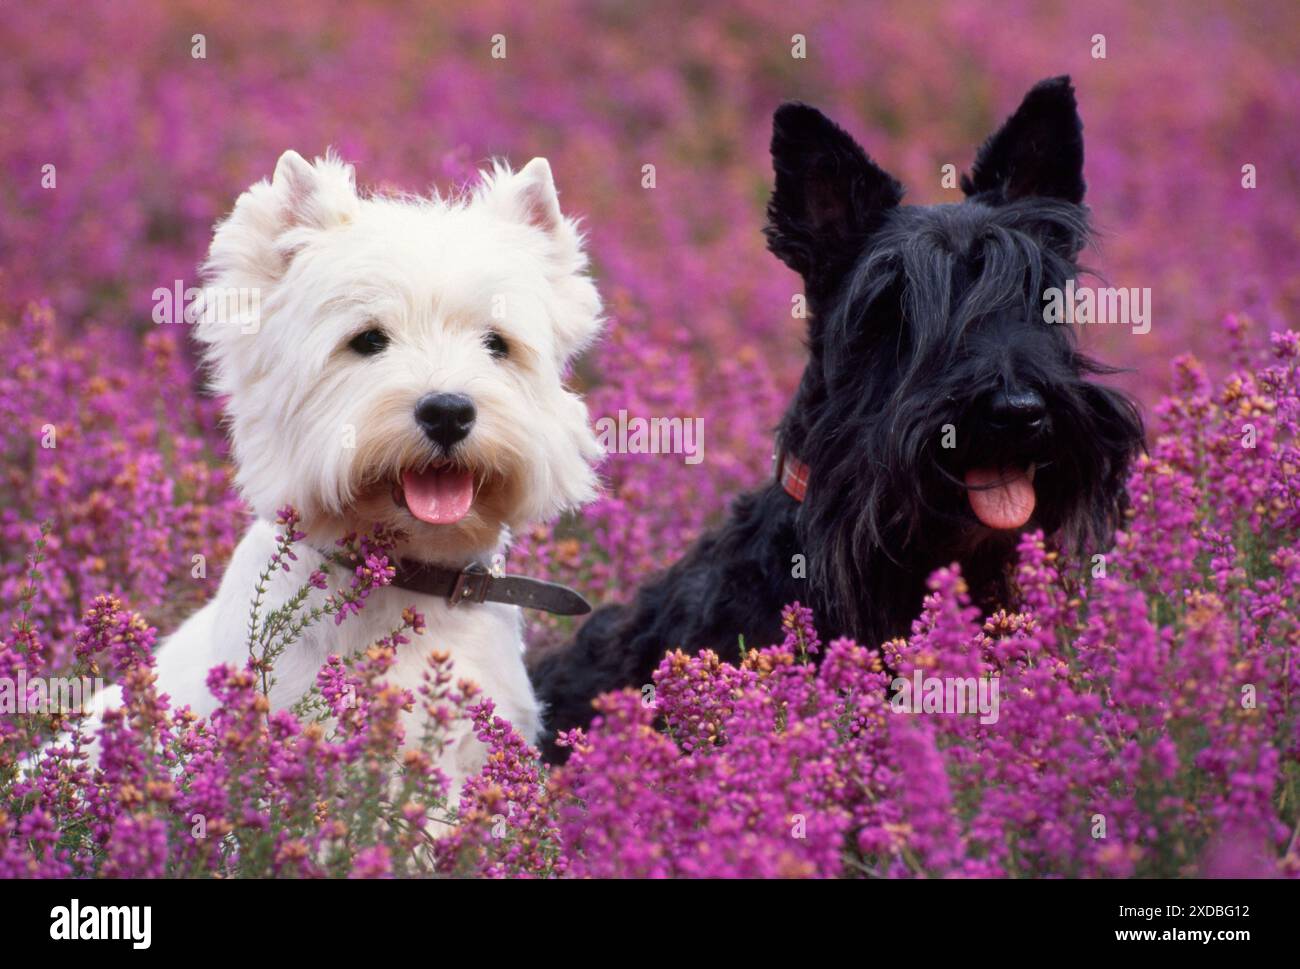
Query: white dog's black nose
(446, 418)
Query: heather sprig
(366, 558)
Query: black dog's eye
(369, 343)
(496, 344)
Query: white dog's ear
(272, 220)
(529, 196)
(318, 196)
(535, 198)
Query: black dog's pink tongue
(1000, 497)
(438, 496)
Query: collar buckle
(471, 585)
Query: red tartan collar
(792, 473)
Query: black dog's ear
(829, 195)
(1038, 152)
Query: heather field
(1150, 709)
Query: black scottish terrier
(938, 415)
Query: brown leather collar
(474, 583)
(791, 472)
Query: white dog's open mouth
(440, 494)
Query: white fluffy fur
(317, 425)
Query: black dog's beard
(887, 508)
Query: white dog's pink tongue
(1000, 497)
(438, 496)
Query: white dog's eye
(496, 344)
(369, 343)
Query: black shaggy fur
(920, 317)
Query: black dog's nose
(446, 418)
(1018, 410)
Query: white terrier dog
(406, 371)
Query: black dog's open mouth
(1001, 498)
(439, 494)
